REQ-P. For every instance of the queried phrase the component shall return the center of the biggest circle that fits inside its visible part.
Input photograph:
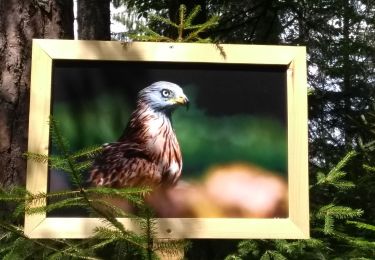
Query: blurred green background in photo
(206, 140)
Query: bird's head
(163, 96)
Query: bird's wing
(124, 164)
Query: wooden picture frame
(296, 225)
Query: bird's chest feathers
(155, 127)
(162, 146)
(174, 168)
(161, 137)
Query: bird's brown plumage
(147, 153)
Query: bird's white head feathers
(163, 96)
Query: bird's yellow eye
(166, 93)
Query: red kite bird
(147, 153)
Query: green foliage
(331, 212)
(246, 248)
(125, 244)
(271, 254)
(15, 245)
(186, 30)
(254, 21)
(340, 40)
(82, 160)
(361, 225)
(335, 176)
(331, 226)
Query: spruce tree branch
(184, 24)
(202, 27)
(91, 203)
(192, 15)
(19, 233)
(74, 172)
(369, 168)
(343, 162)
(181, 25)
(87, 198)
(362, 225)
(163, 20)
(87, 152)
(67, 156)
(110, 234)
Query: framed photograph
(238, 162)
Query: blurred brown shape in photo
(231, 190)
(244, 190)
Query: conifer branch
(331, 212)
(342, 162)
(97, 200)
(193, 14)
(335, 175)
(271, 254)
(76, 176)
(339, 212)
(180, 29)
(213, 21)
(132, 193)
(161, 19)
(115, 235)
(149, 35)
(104, 208)
(65, 203)
(39, 158)
(369, 168)
(362, 225)
(354, 241)
(62, 145)
(184, 27)
(87, 152)
(20, 234)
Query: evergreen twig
(186, 31)
(97, 200)
(20, 234)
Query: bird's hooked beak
(182, 100)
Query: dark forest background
(340, 40)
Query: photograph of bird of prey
(224, 157)
(147, 154)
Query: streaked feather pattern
(147, 153)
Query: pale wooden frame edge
(295, 226)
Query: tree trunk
(22, 20)
(93, 17)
